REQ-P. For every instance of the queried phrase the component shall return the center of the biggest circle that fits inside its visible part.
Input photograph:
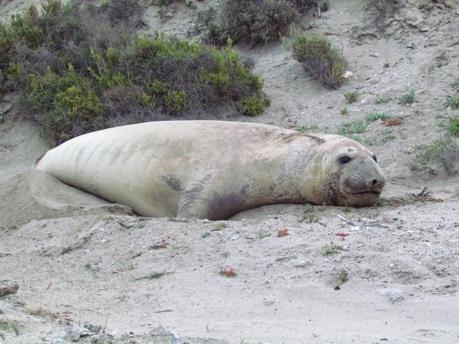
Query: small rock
(348, 75)
(8, 287)
(394, 295)
(374, 54)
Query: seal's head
(351, 174)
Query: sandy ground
(389, 274)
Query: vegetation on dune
(320, 59)
(82, 68)
(256, 21)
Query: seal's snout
(377, 184)
(365, 179)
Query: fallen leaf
(228, 272)
(390, 122)
(282, 232)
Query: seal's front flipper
(208, 198)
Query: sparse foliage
(83, 69)
(375, 116)
(320, 59)
(408, 98)
(379, 11)
(255, 21)
(452, 102)
(351, 96)
(331, 248)
(351, 128)
(453, 127)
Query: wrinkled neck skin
(298, 176)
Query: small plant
(324, 5)
(455, 85)
(255, 21)
(331, 248)
(351, 97)
(251, 106)
(387, 135)
(452, 102)
(379, 11)
(351, 128)
(307, 128)
(453, 127)
(436, 150)
(375, 116)
(383, 99)
(176, 101)
(320, 59)
(262, 233)
(344, 111)
(408, 98)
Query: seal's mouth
(360, 198)
(373, 192)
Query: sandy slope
(76, 265)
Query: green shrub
(408, 98)
(382, 99)
(444, 149)
(258, 21)
(320, 59)
(81, 69)
(350, 128)
(67, 103)
(453, 127)
(331, 248)
(452, 102)
(374, 116)
(351, 97)
(176, 101)
(251, 106)
(324, 5)
(379, 12)
(255, 21)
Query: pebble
(394, 295)
(8, 287)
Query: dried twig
(361, 226)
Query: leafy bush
(408, 98)
(350, 128)
(453, 127)
(374, 116)
(251, 106)
(380, 11)
(452, 102)
(255, 21)
(81, 69)
(351, 97)
(320, 59)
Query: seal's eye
(374, 158)
(344, 159)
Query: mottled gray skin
(215, 169)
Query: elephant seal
(215, 169)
